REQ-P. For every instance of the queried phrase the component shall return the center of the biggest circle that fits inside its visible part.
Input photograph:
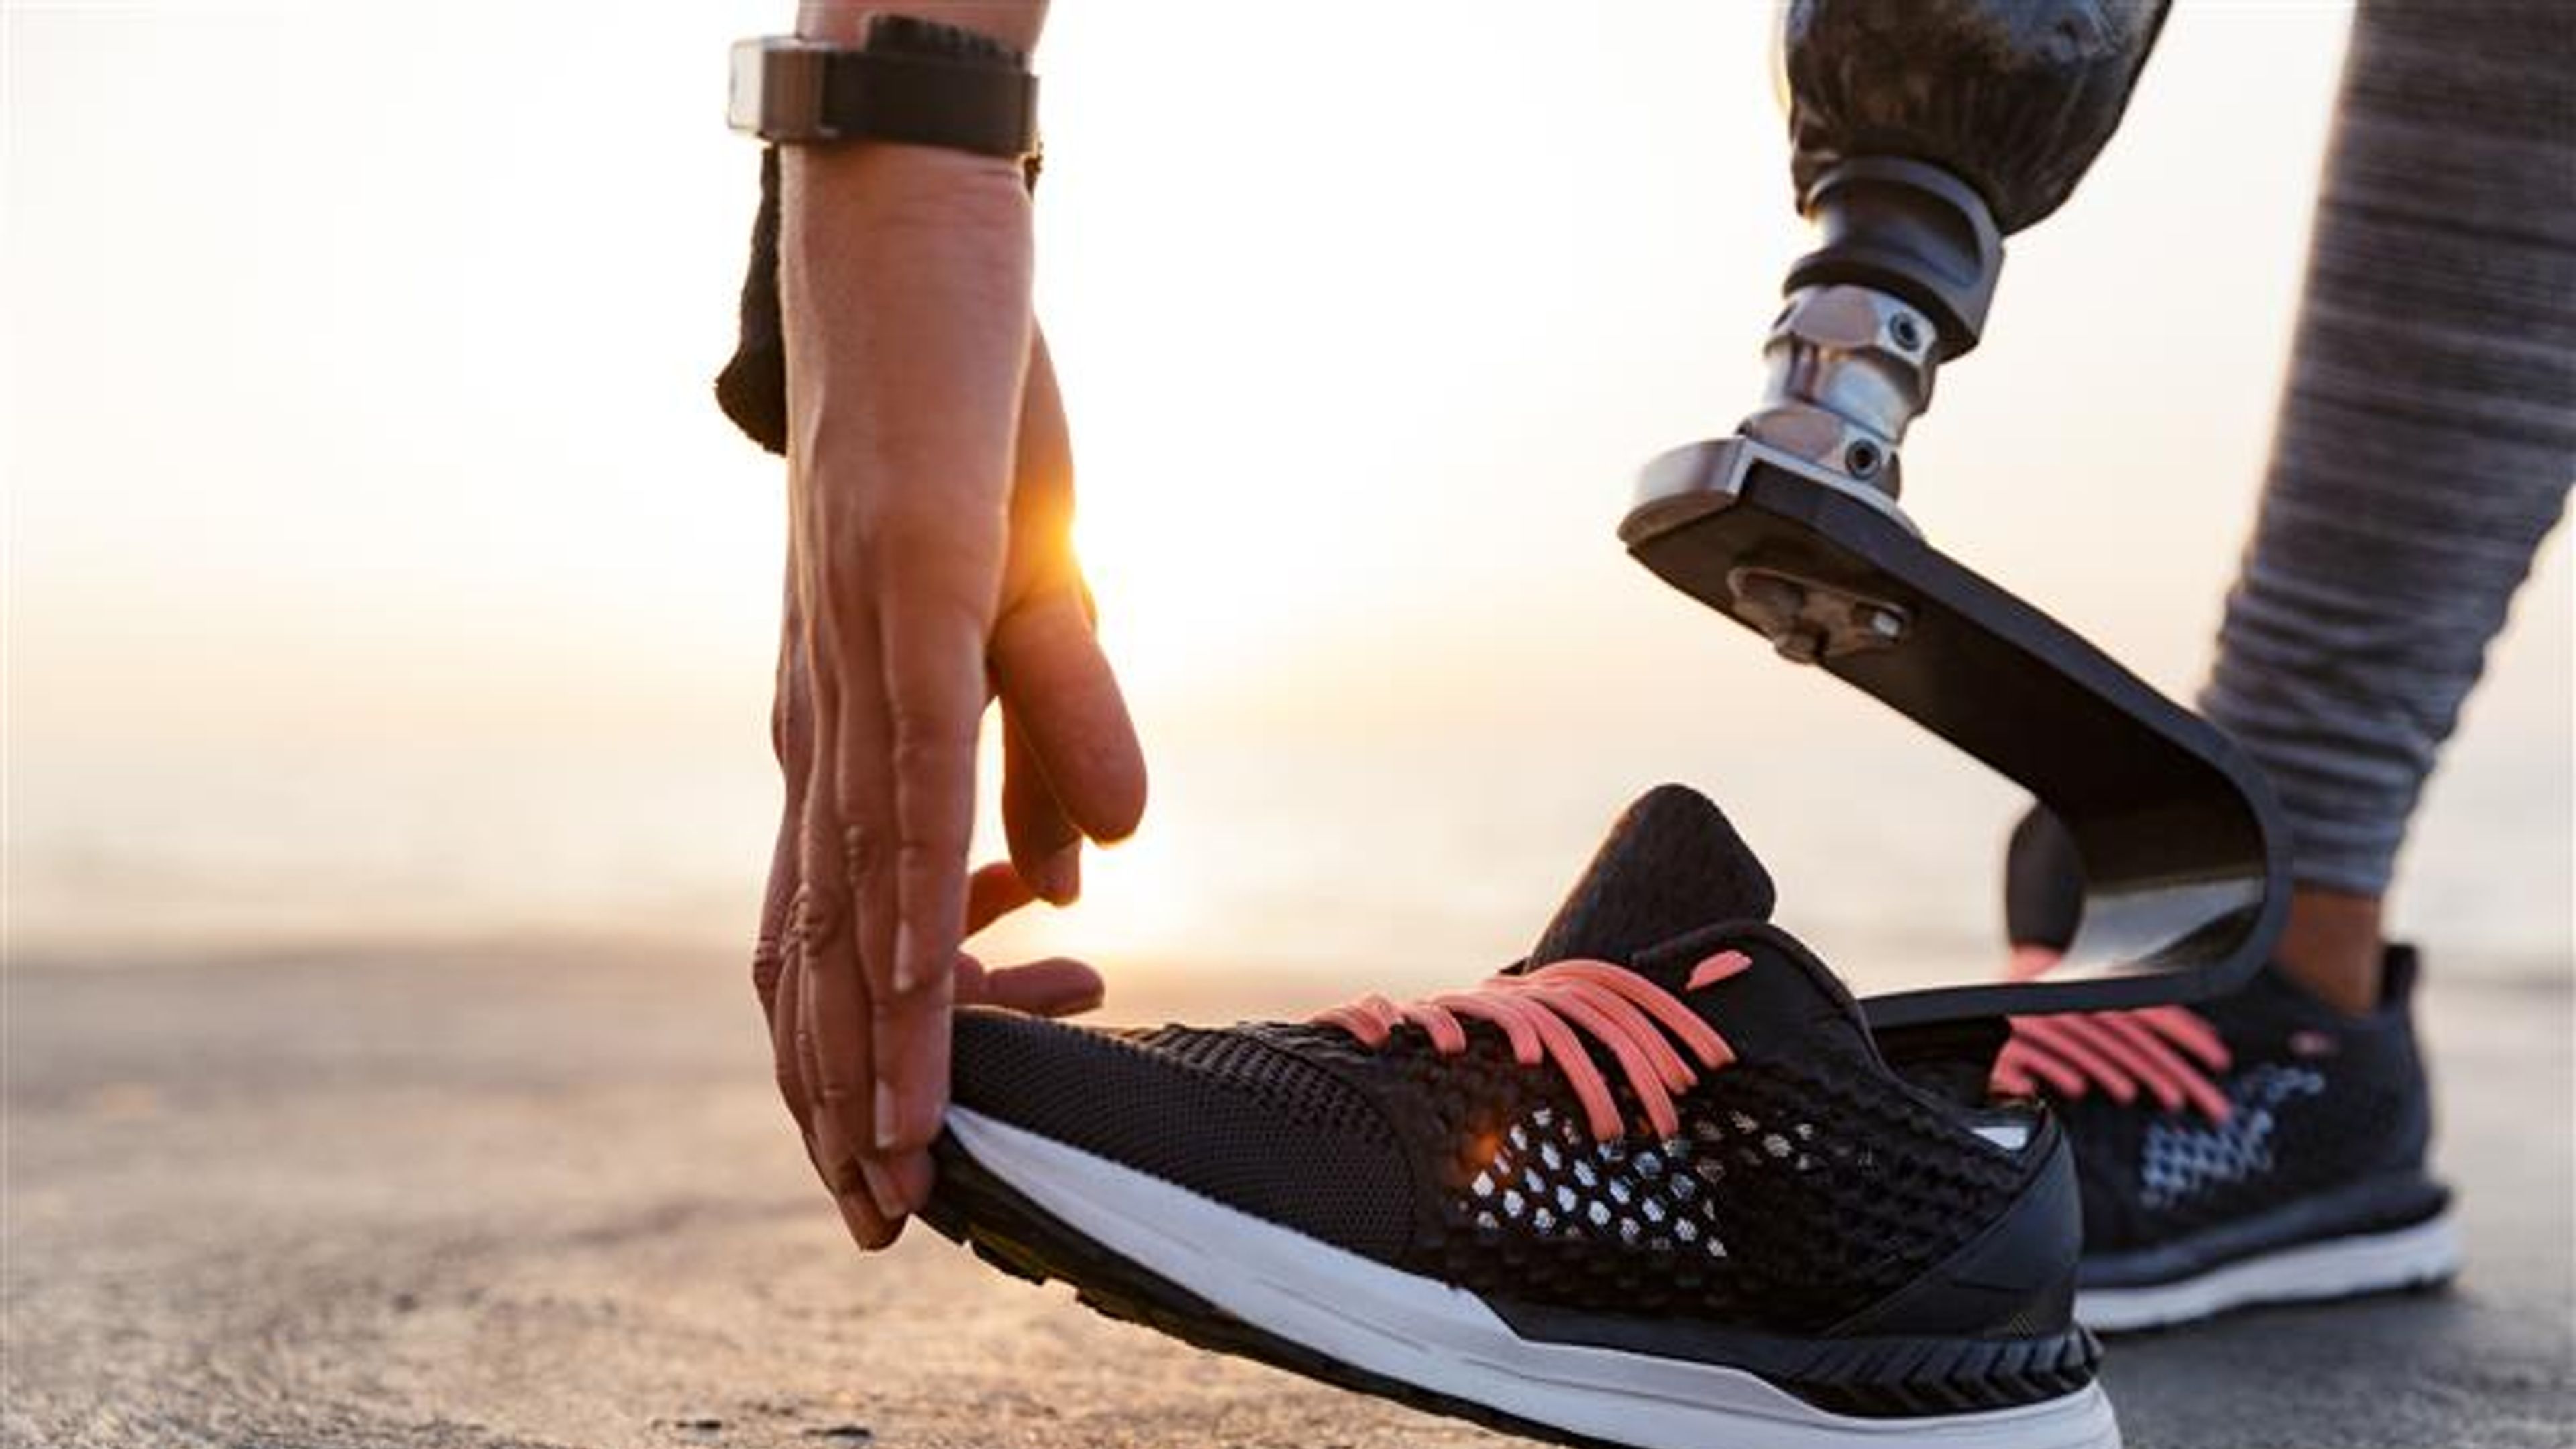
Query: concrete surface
(543, 1198)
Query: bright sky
(378, 565)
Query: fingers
(869, 1225)
(836, 850)
(1041, 478)
(1045, 845)
(1064, 701)
(769, 948)
(849, 848)
(994, 891)
(935, 691)
(777, 955)
(783, 1045)
(1070, 763)
(834, 1074)
(1057, 986)
(791, 738)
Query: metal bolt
(1907, 332)
(1861, 459)
(1887, 624)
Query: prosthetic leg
(1924, 134)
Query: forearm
(905, 275)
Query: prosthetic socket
(1922, 134)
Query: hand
(873, 1207)
(930, 567)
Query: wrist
(1015, 23)
(909, 269)
(866, 187)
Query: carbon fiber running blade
(2186, 872)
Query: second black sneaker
(1657, 1185)
(2264, 1148)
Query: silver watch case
(777, 88)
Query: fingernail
(1059, 876)
(881, 1188)
(888, 1130)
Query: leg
(2425, 447)
(2271, 1145)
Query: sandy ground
(532, 1198)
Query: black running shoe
(2263, 1149)
(1655, 1186)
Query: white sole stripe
(1445, 1340)
(2428, 1252)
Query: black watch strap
(962, 105)
(912, 80)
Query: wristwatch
(911, 80)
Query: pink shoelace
(2166, 1051)
(1545, 1013)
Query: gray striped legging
(2427, 438)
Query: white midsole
(1446, 1340)
(2428, 1252)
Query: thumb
(1058, 986)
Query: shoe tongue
(1672, 864)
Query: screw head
(1862, 459)
(1907, 332)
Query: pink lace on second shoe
(1545, 1015)
(2166, 1051)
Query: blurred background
(380, 571)
(390, 615)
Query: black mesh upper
(1803, 1187)
(1221, 1112)
(2319, 1101)
(1252, 1061)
